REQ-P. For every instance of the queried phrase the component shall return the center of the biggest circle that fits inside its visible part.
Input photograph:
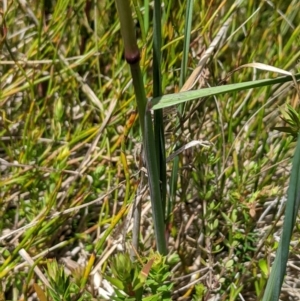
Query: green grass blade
(146, 15)
(183, 74)
(157, 91)
(140, 20)
(154, 185)
(178, 98)
(279, 267)
(132, 56)
(186, 42)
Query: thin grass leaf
(186, 42)
(158, 115)
(146, 15)
(284, 129)
(271, 69)
(154, 185)
(177, 98)
(132, 57)
(293, 202)
(183, 74)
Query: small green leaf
(234, 215)
(153, 298)
(58, 110)
(262, 263)
(284, 129)
(229, 263)
(115, 282)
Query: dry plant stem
(87, 158)
(192, 80)
(30, 261)
(137, 208)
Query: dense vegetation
(71, 163)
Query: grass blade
(178, 98)
(158, 115)
(154, 185)
(183, 74)
(132, 57)
(279, 267)
(187, 39)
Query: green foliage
(69, 131)
(63, 286)
(261, 272)
(200, 290)
(292, 118)
(134, 281)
